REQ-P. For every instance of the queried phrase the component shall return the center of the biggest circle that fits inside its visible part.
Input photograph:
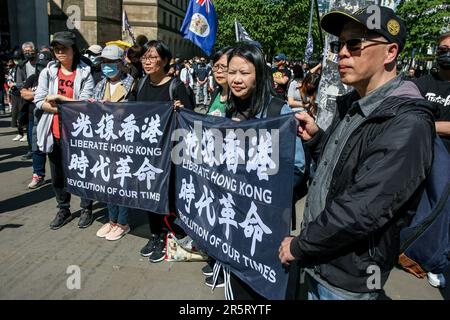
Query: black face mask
(29, 56)
(443, 60)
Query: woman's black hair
(162, 49)
(260, 98)
(298, 72)
(224, 51)
(227, 51)
(135, 52)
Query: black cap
(44, 58)
(390, 25)
(66, 38)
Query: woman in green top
(219, 99)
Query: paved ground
(34, 259)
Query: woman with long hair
(66, 79)
(308, 93)
(252, 97)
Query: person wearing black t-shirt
(436, 88)
(281, 76)
(155, 86)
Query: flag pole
(318, 22)
(236, 30)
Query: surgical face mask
(443, 60)
(110, 70)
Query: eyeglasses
(352, 44)
(442, 49)
(220, 67)
(151, 59)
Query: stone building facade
(97, 21)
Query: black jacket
(373, 192)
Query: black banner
(234, 186)
(118, 152)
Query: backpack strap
(173, 87)
(274, 107)
(141, 84)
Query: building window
(164, 18)
(170, 20)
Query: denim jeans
(317, 291)
(39, 159)
(118, 214)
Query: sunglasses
(352, 44)
(442, 49)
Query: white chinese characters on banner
(129, 127)
(205, 202)
(187, 193)
(227, 214)
(151, 129)
(232, 152)
(254, 227)
(259, 158)
(208, 148)
(79, 164)
(147, 172)
(123, 169)
(106, 128)
(101, 166)
(83, 125)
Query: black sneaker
(207, 270)
(147, 250)
(27, 156)
(220, 283)
(62, 217)
(159, 251)
(86, 218)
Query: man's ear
(392, 50)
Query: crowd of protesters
(238, 83)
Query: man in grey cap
(372, 161)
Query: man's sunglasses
(351, 44)
(442, 49)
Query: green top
(218, 107)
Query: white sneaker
(437, 280)
(18, 137)
(36, 182)
(24, 139)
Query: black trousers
(59, 181)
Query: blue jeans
(118, 214)
(317, 291)
(39, 157)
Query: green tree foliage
(425, 21)
(279, 25)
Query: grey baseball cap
(112, 52)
